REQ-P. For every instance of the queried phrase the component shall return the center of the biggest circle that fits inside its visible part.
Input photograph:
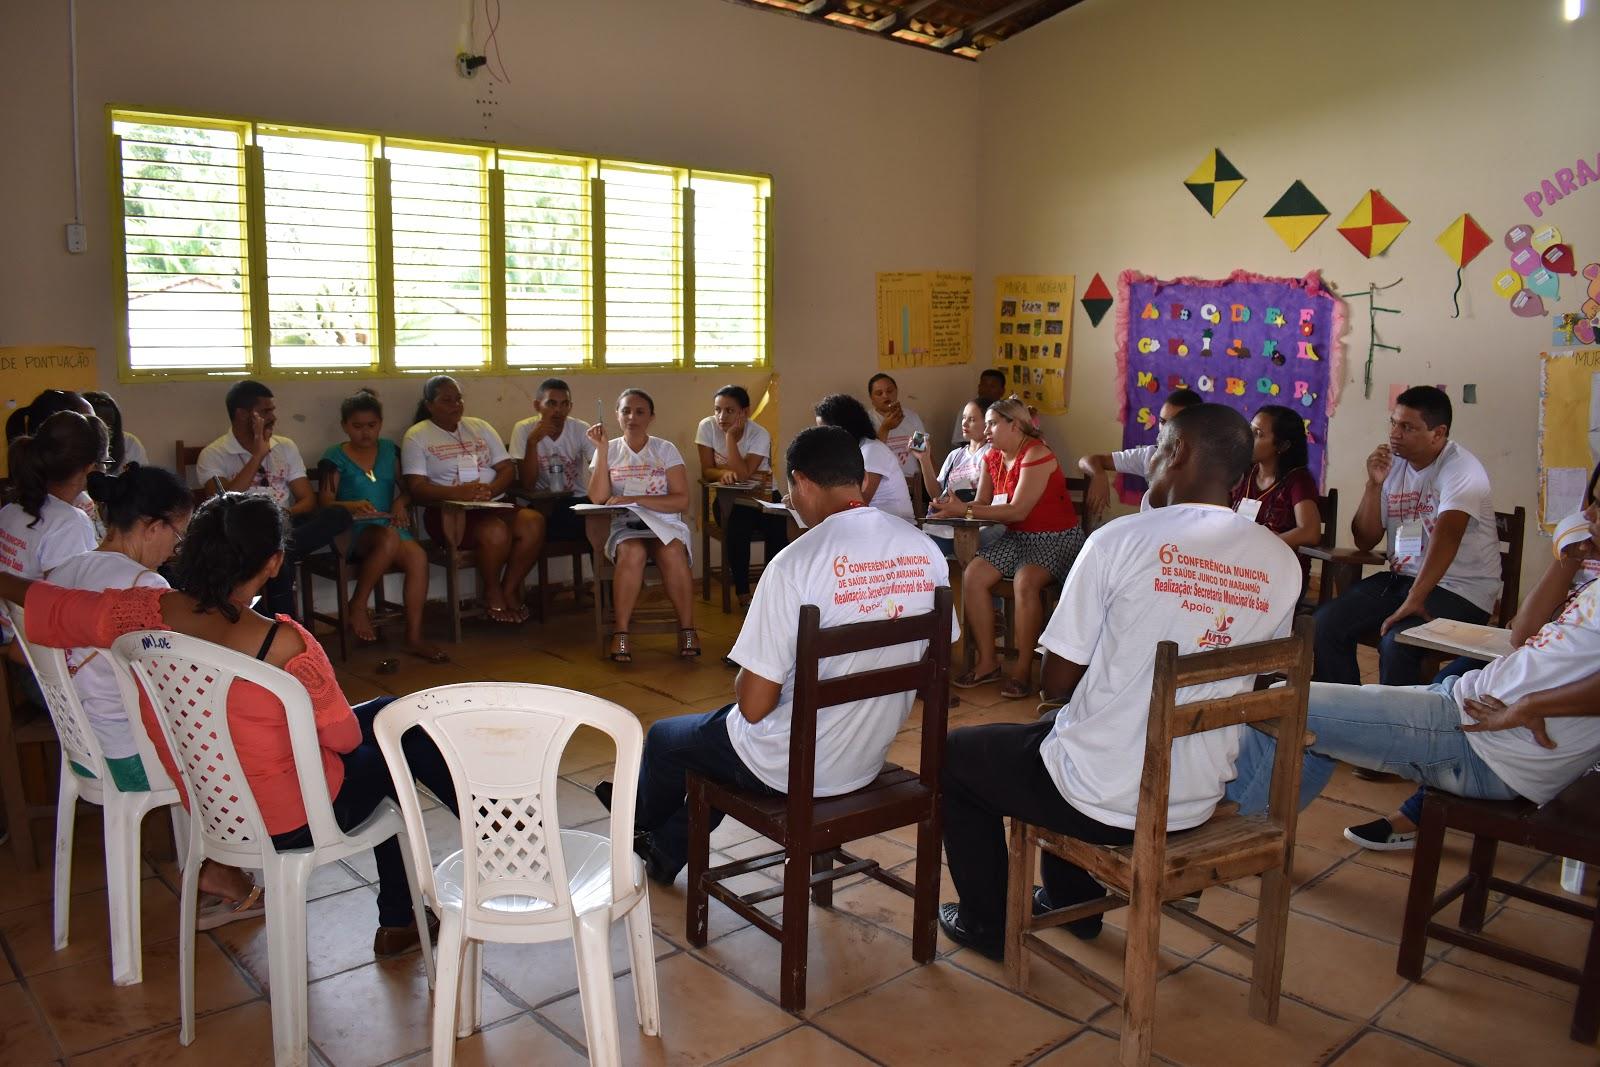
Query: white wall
(870, 148)
(1091, 121)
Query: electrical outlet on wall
(77, 239)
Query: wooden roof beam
(967, 33)
(901, 15)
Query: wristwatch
(969, 512)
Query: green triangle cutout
(1296, 200)
(1226, 171)
(1202, 192)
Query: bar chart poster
(1033, 337)
(924, 319)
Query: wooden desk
(1459, 639)
(967, 536)
(1341, 568)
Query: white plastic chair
(122, 813)
(187, 681)
(502, 743)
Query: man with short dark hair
(250, 458)
(1132, 461)
(554, 453)
(1189, 570)
(1430, 499)
(855, 564)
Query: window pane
(730, 269)
(184, 246)
(548, 276)
(321, 287)
(439, 202)
(643, 231)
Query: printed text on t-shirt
(874, 584)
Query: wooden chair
(715, 508)
(333, 566)
(1328, 511)
(447, 552)
(1158, 867)
(1566, 826)
(184, 459)
(575, 550)
(647, 618)
(811, 831)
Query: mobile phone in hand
(919, 441)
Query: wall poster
(924, 319)
(1033, 337)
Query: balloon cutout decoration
(1558, 258)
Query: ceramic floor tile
(1544, 933)
(804, 1046)
(844, 956)
(1379, 798)
(1203, 1019)
(705, 1016)
(28, 930)
(1362, 898)
(586, 748)
(1384, 1050)
(1088, 1049)
(667, 906)
(1548, 878)
(114, 1013)
(1511, 863)
(1343, 972)
(6, 973)
(380, 1012)
(1485, 1020)
(1321, 826)
(240, 1037)
(339, 933)
(1048, 985)
(536, 974)
(515, 1043)
(890, 908)
(927, 1015)
(24, 1037)
(1220, 905)
(25, 889)
(1309, 864)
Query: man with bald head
(1189, 570)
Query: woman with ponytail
(49, 470)
(233, 547)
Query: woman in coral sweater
(234, 545)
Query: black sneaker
(950, 922)
(657, 866)
(1084, 929)
(1380, 835)
(602, 793)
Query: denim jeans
(309, 532)
(1362, 609)
(1413, 731)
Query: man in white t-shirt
(894, 424)
(856, 564)
(249, 458)
(1430, 499)
(1526, 724)
(1190, 570)
(1130, 461)
(554, 453)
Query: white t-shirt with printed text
(1197, 574)
(563, 461)
(445, 458)
(899, 440)
(892, 495)
(61, 532)
(644, 473)
(857, 565)
(281, 467)
(755, 441)
(1455, 481)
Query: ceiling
(961, 28)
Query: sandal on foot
(971, 679)
(502, 615)
(222, 911)
(688, 643)
(620, 652)
(428, 654)
(1011, 689)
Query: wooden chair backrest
(928, 676)
(1328, 510)
(1510, 527)
(1077, 491)
(1284, 705)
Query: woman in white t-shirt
(892, 423)
(961, 474)
(450, 457)
(647, 473)
(884, 487)
(126, 449)
(49, 470)
(734, 449)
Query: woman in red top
(1023, 487)
(1279, 491)
(234, 546)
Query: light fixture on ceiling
(1572, 9)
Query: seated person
(1078, 772)
(991, 387)
(647, 472)
(884, 487)
(1130, 461)
(1279, 492)
(734, 449)
(449, 455)
(1526, 725)
(250, 458)
(746, 744)
(554, 453)
(146, 513)
(44, 527)
(235, 543)
(126, 449)
(962, 471)
(363, 475)
(1022, 486)
(1429, 498)
(29, 419)
(892, 423)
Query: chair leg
(1019, 904)
(286, 877)
(727, 584)
(642, 958)
(445, 993)
(180, 834)
(1141, 962)
(1475, 901)
(469, 1005)
(1272, 925)
(452, 594)
(1586, 1013)
(341, 582)
(694, 909)
(705, 562)
(66, 819)
(18, 821)
(1419, 901)
(925, 905)
(822, 892)
(419, 910)
(577, 579)
(592, 940)
(796, 928)
(121, 834)
(188, 914)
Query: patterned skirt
(1053, 551)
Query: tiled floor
(868, 1001)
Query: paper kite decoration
(1373, 224)
(1214, 182)
(1462, 240)
(1296, 215)
(1096, 300)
